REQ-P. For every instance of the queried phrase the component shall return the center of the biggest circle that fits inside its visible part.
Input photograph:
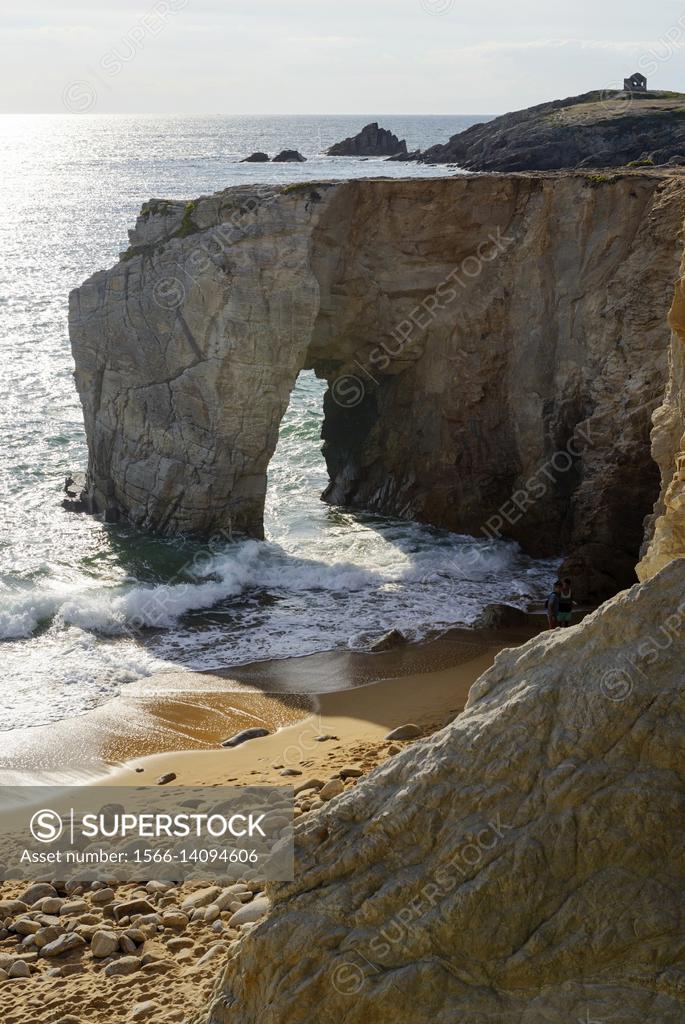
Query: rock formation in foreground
(607, 129)
(524, 864)
(668, 448)
(370, 141)
(494, 348)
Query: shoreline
(178, 715)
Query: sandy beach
(168, 955)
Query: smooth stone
(351, 772)
(46, 935)
(132, 908)
(166, 778)
(201, 898)
(246, 734)
(404, 732)
(12, 908)
(36, 892)
(143, 1010)
(120, 968)
(104, 944)
(19, 969)
(73, 908)
(102, 896)
(333, 788)
(64, 944)
(291, 771)
(127, 945)
(249, 913)
(310, 784)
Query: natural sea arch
(494, 347)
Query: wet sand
(180, 712)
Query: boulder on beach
(394, 638)
(289, 156)
(370, 141)
(246, 734)
(256, 158)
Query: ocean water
(86, 608)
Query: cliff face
(494, 348)
(668, 448)
(524, 864)
(608, 129)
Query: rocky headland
(597, 129)
(494, 348)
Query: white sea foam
(86, 608)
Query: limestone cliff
(494, 347)
(668, 447)
(525, 864)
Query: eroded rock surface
(494, 348)
(598, 129)
(667, 538)
(522, 865)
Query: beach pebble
(291, 771)
(46, 935)
(127, 945)
(164, 779)
(49, 905)
(141, 1011)
(201, 898)
(126, 965)
(25, 926)
(102, 896)
(350, 772)
(310, 784)
(130, 908)
(104, 944)
(37, 892)
(12, 908)
(331, 789)
(175, 919)
(212, 913)
(246, 734)
(73, 908)
(19, 969)
(210, 954)
(67, 970)
(176, 945)
(158, 887)
(250, 912)
(64, 944)
(404, 732)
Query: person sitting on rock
(552, 605)
(565, 603)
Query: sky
(328, 57)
